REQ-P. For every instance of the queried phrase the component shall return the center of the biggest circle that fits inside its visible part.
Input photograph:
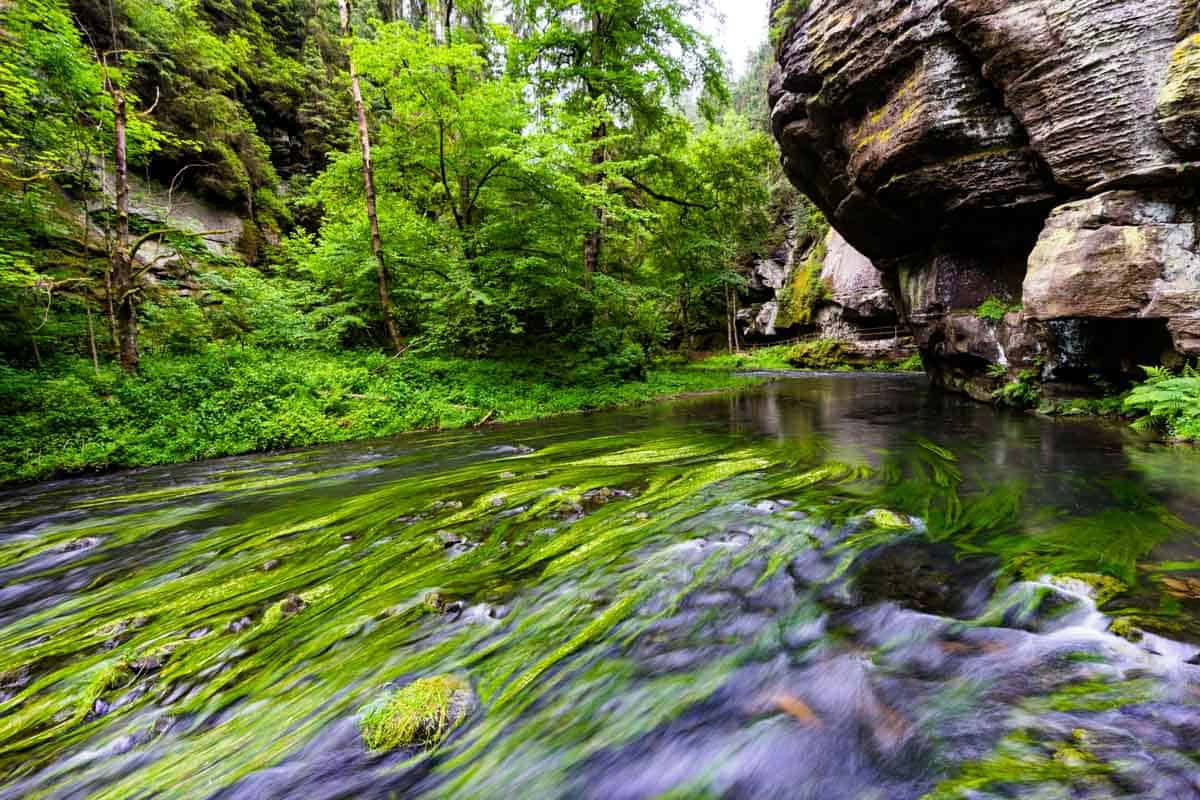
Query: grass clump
(421, 714)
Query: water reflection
(834, 586)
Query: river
(832, 586)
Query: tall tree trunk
(685, 313)
(728, 322)
(123, 289)
(364, 139)
(92, 338)
(595, 237)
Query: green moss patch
(421, 714)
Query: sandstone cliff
(1036, 156)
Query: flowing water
(829, 587)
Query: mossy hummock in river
(421, 714)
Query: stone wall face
(1039, 152)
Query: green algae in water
(357, 548)
(423, 713)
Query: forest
(239, 225)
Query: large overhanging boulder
(1003, 152)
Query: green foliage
(1169, 402)
(225, 401)
(1024, 391)
(761, 358)
(633, 55)
(496, 152)
(994, 309)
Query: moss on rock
(420, 714)
(1103, 587)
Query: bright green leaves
(1169, 401)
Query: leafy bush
(1170, 402)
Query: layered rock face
(857, 298)
(1041, 155)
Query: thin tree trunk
(595, 237)
(684, 295)
(728, 322)
(110, 311)
(123, 287)
(364, 138)
(737, 339)
(92, 338)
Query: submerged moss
(889, 520)
(421, 714)
(1124, 627)
(1104, 587)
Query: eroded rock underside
(1040, 154)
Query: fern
(1169, 402)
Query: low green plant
(994, 309)
(68, 418)
(1170, 402)
(1023, 392)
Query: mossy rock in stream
(421, 714)
(1102, 587)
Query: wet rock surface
(1038, 152)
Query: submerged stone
(422, 713)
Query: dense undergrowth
(67, 418)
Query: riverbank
(818, 354)
(67, 419)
